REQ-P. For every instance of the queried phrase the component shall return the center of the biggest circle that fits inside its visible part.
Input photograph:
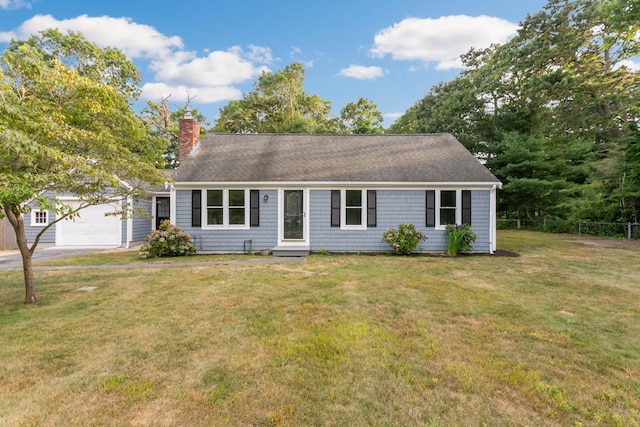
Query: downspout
(492, 221)
(129, 225)
(129, 222)
(172, 204)
(154, 212)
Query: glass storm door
(293, 215)
(162, 210)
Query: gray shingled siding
(480, 219)
(30, 232)
(142, 226)
(323, 236)
(263, 237)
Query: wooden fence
(626, 230)
(7, 236)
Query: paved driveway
(11, 260)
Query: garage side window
(39, 218)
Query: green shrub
(461, 238)
(167, 240)
(404, 239)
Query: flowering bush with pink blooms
(404, 239)
(167, 240)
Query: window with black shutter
(371, 208)
(254, 205)
(431, 208)
(196, 208)
(466, 207)
(335, 208)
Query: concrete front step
(290, 251)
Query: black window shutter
(371, 208)
(466, 207)
(431, 208)
(196, 208)
(255, 208)
(335, 208)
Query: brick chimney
(188, 135)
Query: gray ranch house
(296, 193)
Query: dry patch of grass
(548, 338)
(130, 256)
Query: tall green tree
(361, 117)
(452, 107)
(407, 122)
(564, 80)
(164, 124)
(278, 104)
(536, 183)
(579, 70)
(67, 128)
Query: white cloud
(393, 116)
(295, 52)
(218, 68)
(631, 65)
(361, 72)
(177, 72)
(135, 40)
(7, 36)
(14, 4)
(259, 54)
(182, 93)
(440, 40)
(206, 79)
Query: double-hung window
(448, 203)
(353, 209)
(39, 218)
(446, 207)
(226, 208)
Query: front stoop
(290, 251)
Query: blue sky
(391, 52)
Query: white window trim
(343, 210)
(458, 207)
(34, 223)
(225, 210)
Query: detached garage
(95, 226)
(92, 228)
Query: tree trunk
(17, 221)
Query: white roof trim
(320, 185)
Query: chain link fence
(618, 230)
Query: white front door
(293, 229)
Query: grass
(548, 338)
(124, 257)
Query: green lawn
(548, 338)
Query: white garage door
(92, 228)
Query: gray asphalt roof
(415, 158)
